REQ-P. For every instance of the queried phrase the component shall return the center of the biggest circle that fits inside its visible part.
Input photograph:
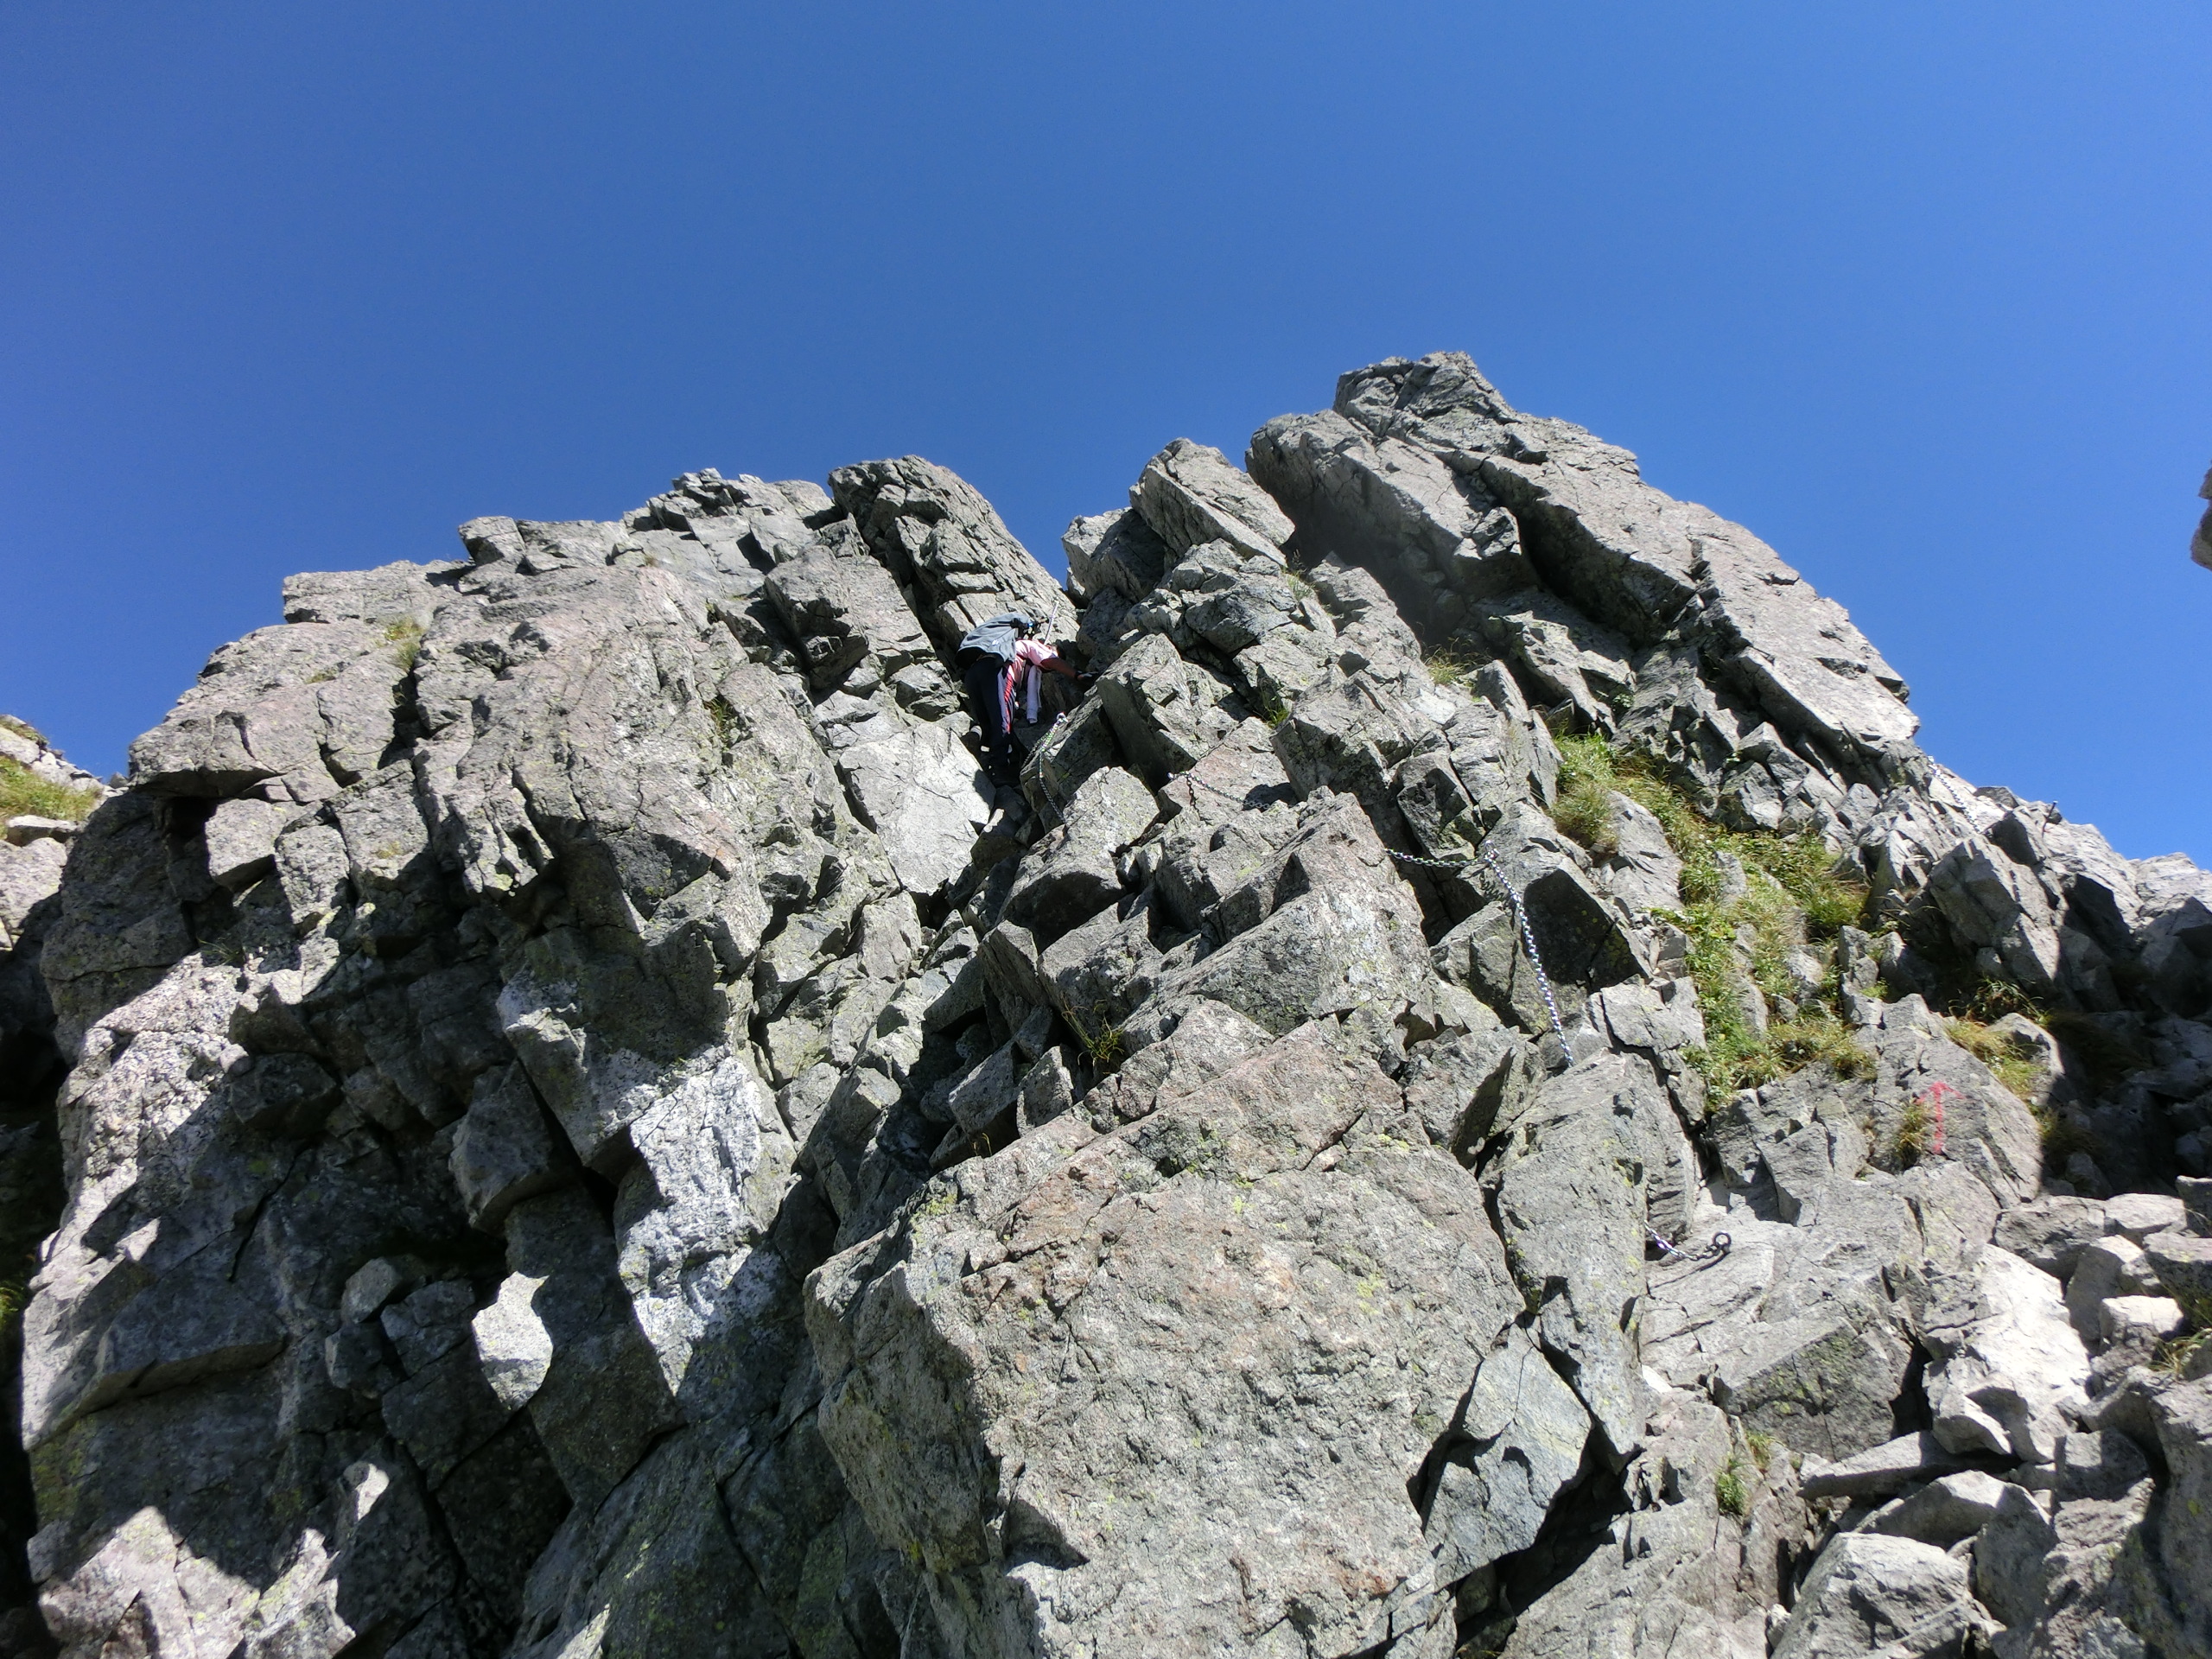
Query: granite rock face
(590, 1129)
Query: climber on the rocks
(998, 661)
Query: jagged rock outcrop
(2200, 545)
(591, 1130)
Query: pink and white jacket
(1026, 672)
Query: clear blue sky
(1918, 293)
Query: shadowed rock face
(33, 854)
(590, 1130)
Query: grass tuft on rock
(2183, 1356)
(1104, 1042)
(1450, 664)
(1915, 1134)
(1584, 806)
(405, 634)
(2100, 1052)
(1729, 1489)
(1821, 1040)
(1750, 899)
(1737, 1055)
(24, 794)
(2096, 1054)
(1592, 770)
(727, 728)
(2017, 1072)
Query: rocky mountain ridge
(1483, 1095)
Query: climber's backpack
(995, 637)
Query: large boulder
(2183, 1412)
(1702, 1546)
(1995, 906)
(1190, 494)
(1519, 1441)
(1331, 929)
(1166, 714)
(1072, 874)
(1868, 1593)
(2010, 1370)
(1114, 552)
(947, 544)
(1433, 535)
(1072, 1281)
(1590, 1164)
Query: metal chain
(1045, 780)
(1196, 782)
(1528, 943)
(1715, 1247)
(1456, 866)
(1520, 920)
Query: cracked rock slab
(1112, 1438)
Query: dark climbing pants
(981, 679)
